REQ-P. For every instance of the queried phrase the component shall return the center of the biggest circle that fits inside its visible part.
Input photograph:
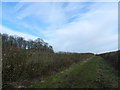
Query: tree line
(24, 60)
(11, 42)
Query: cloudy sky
(67, 26)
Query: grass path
(93, 73)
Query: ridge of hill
(35, 64)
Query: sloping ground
(93, 73)
(113, 59)
(21, 68)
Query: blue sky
(67, 26)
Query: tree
(24, 44)
(20, 42)
(50, 47)
(4, 41)
(38, 43)
(13, 42)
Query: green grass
(93, 73)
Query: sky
(67, 26)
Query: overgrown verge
(22, 65)
(113, 59)
(94, 73)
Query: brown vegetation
(22, 61)
(113, 59)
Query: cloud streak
(75, 27)
(95, 31)
(13, 32)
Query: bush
(22, 64)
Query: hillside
(112, 58)
(34, 64)
(93, 73)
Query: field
(93, 73)
(34, 64)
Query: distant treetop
(12, 42)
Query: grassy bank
(23, 65)
(93, 73)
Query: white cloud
(92, 31)
(95, 31)
(13, 32)
(48, 12)
(53, 14)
